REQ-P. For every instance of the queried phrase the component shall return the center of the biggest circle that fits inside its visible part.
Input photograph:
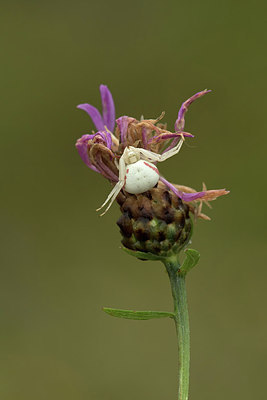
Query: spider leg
(148, 155)
(172, 151)
(153, 157)
(112, 196)
(117, 188)
(122, 168)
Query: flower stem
(181, 318)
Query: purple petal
(144, 138)
(81, 146)
(108, 108)
(108, 139)
(180, 122)
(167, 136)
(182, 195)
(191, 196)
(123, 123)
(94, 114)
(106, 136)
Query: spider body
(140, 176)
(137, 173)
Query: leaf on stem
(191, 259)
(141, 315)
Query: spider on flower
(137, 174)
(125, 153)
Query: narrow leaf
(191, 259)
(142, 255)
(141, 315)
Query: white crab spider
(137, 174)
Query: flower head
(112, 151)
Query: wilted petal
(182, 195)
(205, 195)
(167, 136)
(108, 108)
(144, 138)
(106, 136)
(82, 147)
(84, 144)
(108, 139)
(103, 159)
(180, 122)
(94, 114)
(123, 123)
(104, 169)
(210, 195)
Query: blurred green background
(60, 262)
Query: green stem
(181, 318)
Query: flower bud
(156, 222)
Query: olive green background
(60, 262)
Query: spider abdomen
(140, 177)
